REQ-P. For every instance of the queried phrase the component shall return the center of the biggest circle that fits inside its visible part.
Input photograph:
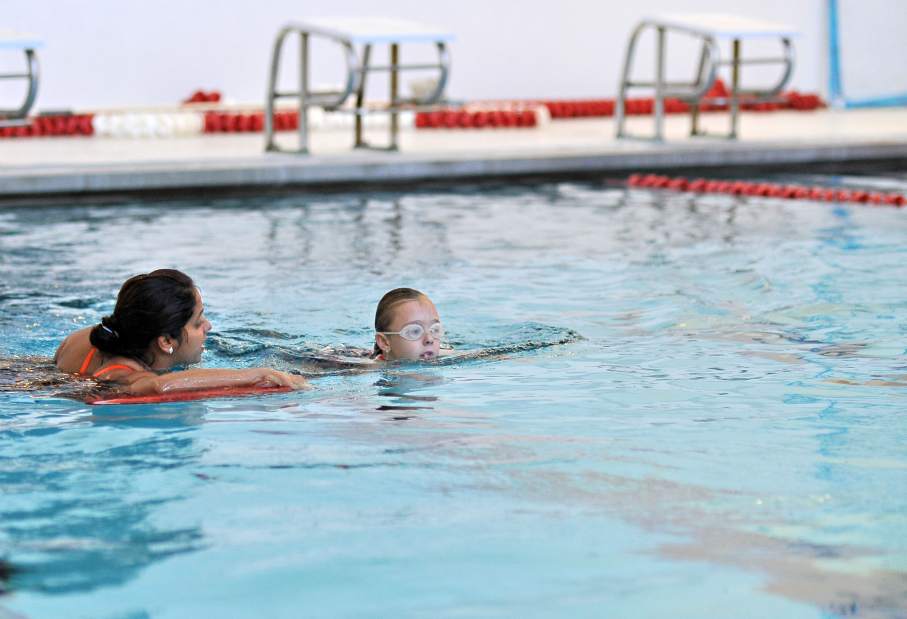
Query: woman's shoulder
(75, 338)
(72, 350)
(76, 355)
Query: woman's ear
(382, 342)
(165, 344)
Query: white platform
(719, 25)
(374, 30)
(19, 40)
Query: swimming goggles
(415, 331)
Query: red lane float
(580, 108)
(479, 115)
(476, 119)
(769, 190)
(186, 396)
(714, 100)
(59, 125)
(201, 96)
(229, 122)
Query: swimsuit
(102, 371)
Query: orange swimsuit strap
(88, 359)
(102, 371)
(109, 368)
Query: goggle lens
(415, 331)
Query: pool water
(725, 439)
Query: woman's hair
(148, 306)
(384, 314)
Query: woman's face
(416, 311)
(194, 333)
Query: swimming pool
(727, 439)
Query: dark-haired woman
(158, 324)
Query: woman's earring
(170, 350)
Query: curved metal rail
(356, 72)
(16, 116)
(694, 91)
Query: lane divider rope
(467, 117)
(763, 189)
(205, 112)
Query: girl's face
(194, 333)
(415, 311)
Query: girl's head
(158, 320)
(407, 326)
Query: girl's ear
(382, 342)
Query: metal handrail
(13, 117)
(327, 99)
(355, 84)
(788, 68)
(706, 73)
(438, 92)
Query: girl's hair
(148, 306)
(384, 314)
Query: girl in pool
(407, 327)
(158, 323)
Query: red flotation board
(186, 395)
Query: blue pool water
(727, 439)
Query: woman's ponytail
(105, 336)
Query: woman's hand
(274, 378)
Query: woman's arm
(148, 383)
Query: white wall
(105, 53)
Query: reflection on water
(802, 571)
(402, 391)
(724, 438)
(74, 519)
(7, 571)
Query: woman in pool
(158, 323)
(407, 327)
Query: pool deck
(48, 167)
